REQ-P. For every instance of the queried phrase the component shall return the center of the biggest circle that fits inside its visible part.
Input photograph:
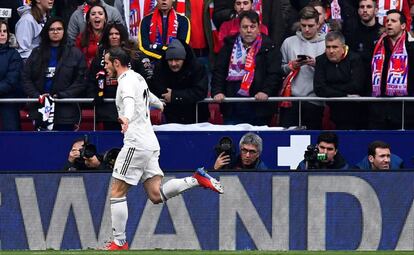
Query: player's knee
(155, 198)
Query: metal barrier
(240, 100)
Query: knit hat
(175, 50)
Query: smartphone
(302, 57)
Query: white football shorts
(133, 166)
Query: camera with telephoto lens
(225, 145)
(313, 158)
(88, 150)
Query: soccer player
(138, 158)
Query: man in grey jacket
(298, 63)
(77, 22)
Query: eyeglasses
(56, 30)
(245, 151)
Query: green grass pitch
(178, 252)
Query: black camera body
(226, 145)
(313, 158)
(88, 150)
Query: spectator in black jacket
(248, 65)
(55, 70)
(363, 37)
(181, 81)
(100, 86)
(10, 68)
(339, 73)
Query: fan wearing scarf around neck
(159, 28)
(340, 73)
(248, 65)
(391, 75)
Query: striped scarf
(155, 34)
(243, 64)
(397, 68)
(386, 5)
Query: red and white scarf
(155, 34)
(135, 16)
(243, 64)
(287, 86)
(397, 68)
(386, 5)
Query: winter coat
(68, 82)
(189, 85)
(10, 69)
(267, 76)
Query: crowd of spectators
(189, 50)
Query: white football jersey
(140, 133)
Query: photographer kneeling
(250, 146)
(83, 156)
(325, 155)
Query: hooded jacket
(302, 85)
(27, 31)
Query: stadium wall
(259, 210)
(186, 150)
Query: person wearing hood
(298, 63)
(30, 24)
(181, 82)
(78, 22)
(10, 68)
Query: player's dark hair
(121, 54)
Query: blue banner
(260, 210)
(184, 150)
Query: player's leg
(127, 171)
(158, 193)
(119, 210)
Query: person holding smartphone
(298, 62)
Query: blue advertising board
(261, 210)
(186, 150)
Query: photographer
(325, 155)
(84, 157)
(250, 147)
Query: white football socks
(175, 187)
(119, 216)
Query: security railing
(402, 100)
